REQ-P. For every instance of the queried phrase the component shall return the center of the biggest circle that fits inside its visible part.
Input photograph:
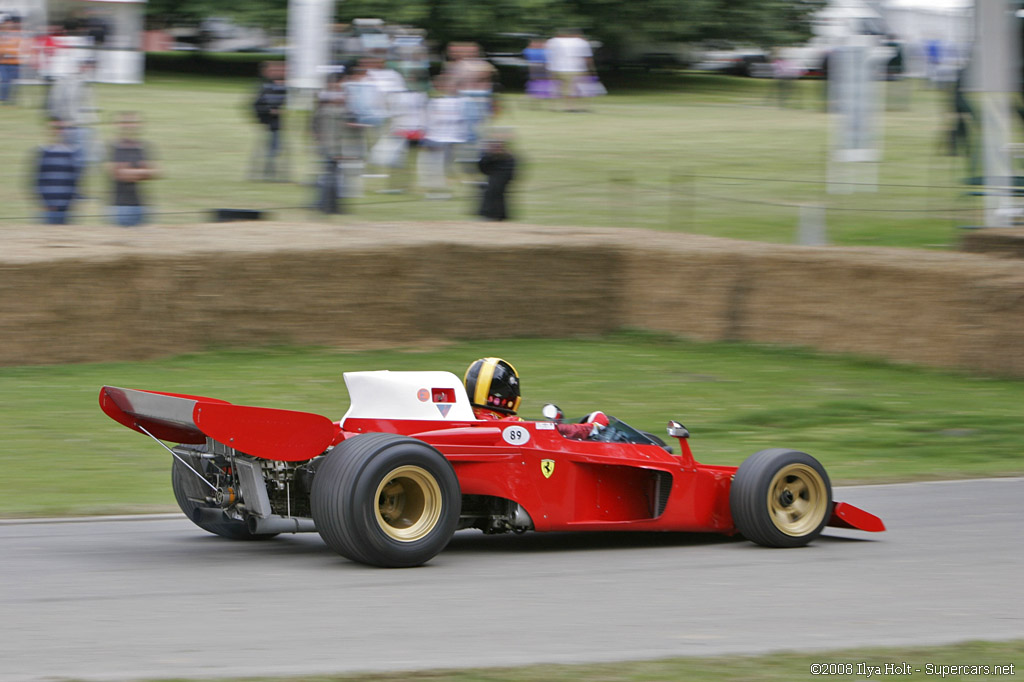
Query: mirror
(677, 430)
(552, 412)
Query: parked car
(735, 61)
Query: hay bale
(1007, 243)
(69, 295)
(931, 308)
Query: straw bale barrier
(1008, 243)
(99, 294)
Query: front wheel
(386, 500)
(780, 498)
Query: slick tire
(386, 500)
(657, 439)
(780, 498)
(228, 528)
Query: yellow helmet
(493, 383)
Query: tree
(616, 23)
(269, 14)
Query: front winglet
(845, 515)
(284, 435)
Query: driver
(493, 388)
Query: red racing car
(409, 464)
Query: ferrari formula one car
(409, 464)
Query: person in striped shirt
(56, 175)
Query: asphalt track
(159, 598)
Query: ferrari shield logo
(547, 467)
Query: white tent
(118, 60)
(945, 24)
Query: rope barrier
(835, 208)
(672, 189)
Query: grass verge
(966, 661)
(866, 421)
(688, 152)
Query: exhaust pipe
(272, 525)
(521, 521)
(208, 515)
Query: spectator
(339, 138)
(785, 72)
(387, 83)
(339, 46)
(11, 49)
(386, 79)
(269, 106)
(540, 85)
(44, 56)
(130, 164)
(569, 60)
(412, 60)
(72, 101)
(408, 127)
(96, 27)
(55, 58)
(364, 98)
(498, 165)
(472, 79)
(367, 107)
(445, 129)
(56, 175)
(934, 52)
(962, 138)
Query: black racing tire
(657, 439)
(229, 528)
(780, 498)
(386, 500)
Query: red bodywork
(563, 484)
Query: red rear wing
(264, 432)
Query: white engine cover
(385, 394)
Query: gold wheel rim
(797, 499)
(408, 503)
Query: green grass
(782, 667)
(866, 421)
(688, 152)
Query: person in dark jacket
(56, 175)
(268, 106)
(340, 139)
(498, 165)
(129, 164)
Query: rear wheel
(187, 489)
(780, 498)
(386, 500)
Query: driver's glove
(598, 421)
